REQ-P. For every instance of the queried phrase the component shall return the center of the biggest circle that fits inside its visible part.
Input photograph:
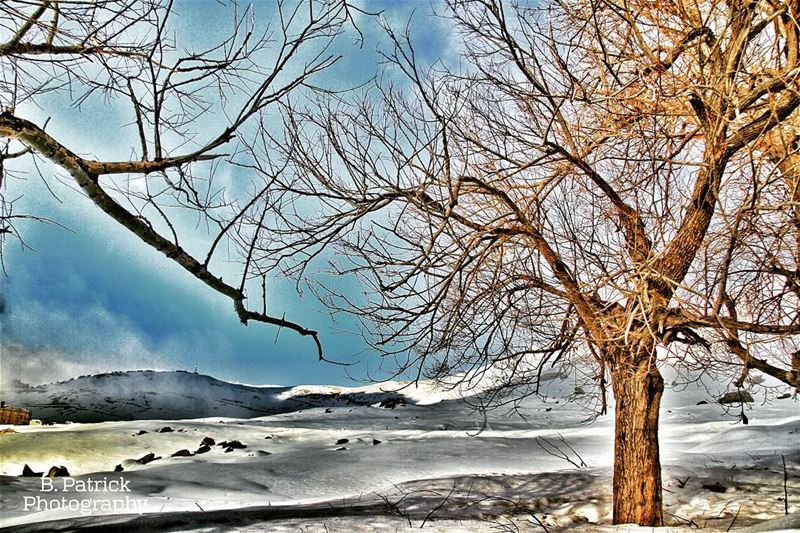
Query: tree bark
(638, 387)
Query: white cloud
(43, 365)
(89, 342)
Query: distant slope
(148, 395)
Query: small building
(16, 416)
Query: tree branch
(81, 170)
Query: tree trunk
(637, 469)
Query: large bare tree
(607, 184)
(184, 109)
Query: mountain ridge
(173, 395)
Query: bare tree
(606, 184)
(126, 51)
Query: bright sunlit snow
(331, 457)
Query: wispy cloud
(46, 364)
(88, 341)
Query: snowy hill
(149, 395)
(331, 459)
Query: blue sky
(92, 298)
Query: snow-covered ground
(426, 462)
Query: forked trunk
(637, 469)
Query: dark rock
(28, 472)
(148, 458)
(236, 445)
(391, 403)
(166, 429)
(739, 396)
(716, 487)
(58, 471)
(579, 390)
(118, 468)
(141, 432)
(268, 437)
(342, 441)
(228, 449)
(784, 396)
(375, 442)
(701, 402)
(548, 409)
(328, 411)
(203, 449)
(182, 453)
(207, 441)
(342, 448)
